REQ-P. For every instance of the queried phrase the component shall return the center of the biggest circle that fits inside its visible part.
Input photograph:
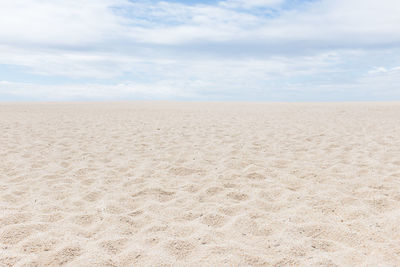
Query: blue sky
(250, 50)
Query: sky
(226, 50)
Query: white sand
(189, 184)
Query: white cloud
(170, 49)
(336, 23)
(63, 23)
(179, 79)
(90, 23)
(247, 4)
(385, 71)
(89, 91)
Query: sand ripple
(161, 184)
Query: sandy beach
(199, 184)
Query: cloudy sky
(250, 50)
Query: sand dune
(196, 184)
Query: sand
(199, 184)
